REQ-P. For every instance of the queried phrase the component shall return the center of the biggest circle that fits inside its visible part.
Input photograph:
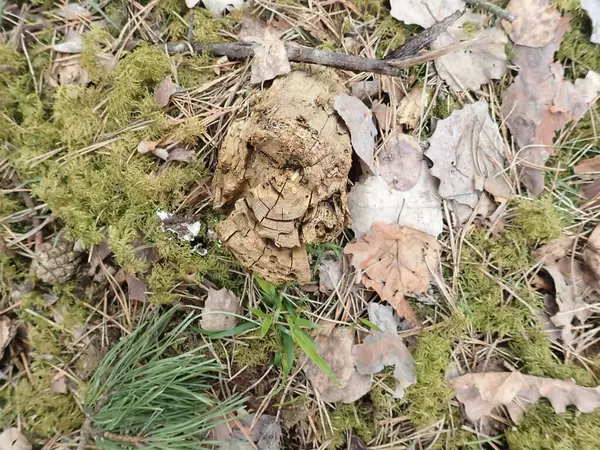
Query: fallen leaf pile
(482, 393)
(395, 261)
(220, 310)
(284, 171)
(468, 158)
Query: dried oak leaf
(480, 62)
(592, 7)
(591, 254)
(424, 12)
(379, 350)
(13, 439)
(359, 120)
(373, 200)
(219, 310)
(570, 304)
(481, 393)
(336, 350)
(535, 23)
(164, 90)
(468, 156)
(394, 261)
(270, 57)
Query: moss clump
(161, 282)
(444, 107)
(470, 28)
(41, 412)
(84, 101)
(194, 71)
(95, 41)
(542, 428)
(207, 28)
(255, 351)
(391, 33)
(429, 398)
(356, 416)
(539, 219)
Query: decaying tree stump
(284, 171)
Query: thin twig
(493, 8)
(39, 235)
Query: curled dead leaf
(394, 261)
(359, 120)
(336, 350)
(220, 309)
(482, 393)
(379, 350)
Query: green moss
(391, 33)
(534, 349)
(76, 114)
(328, 45)
(206, 27)
(429, 398)
(542, 428)
(257, 352)
(539, 219)
(41, 412)
(195, 71)
(161, 283)
(95, 41)
(470, 28)
(358, 417)
(443, 108)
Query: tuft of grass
(145, 391)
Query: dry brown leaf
(535, 24)
(470, 67)
(164, 90)
(270, 57)
(385, 115)
(592, 7)
(372, 200)
(219, 310)
(13, 439)
(468, 156)
(569, 302)
(181, 154)
(59, 384)
(394, 261)
(400, 162)
(481, 393)
(591, 254)
(554, 251)
(359, 120)
(424, 12)
(336, 350)
(410, 108)
(588, 165)
(136, 288)
(379, 350)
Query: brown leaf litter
(591, 256)
(405, 193)
(468, 158)
(379, 350)
(284, 170)
(424, 12)
(220, 310)
(336, 350)
(13, 439)
(394, 261)
(482, 393)
(164, 90)
(270, 57)
(589, 171)
(359, 120)
(482, 61)
(540, 102)
(535, 23)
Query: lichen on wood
(284, 172)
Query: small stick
(493, 8)
(39, 235)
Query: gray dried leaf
(72, 43)
(401, 162)
(482, 61)
(336, 350)
(263, 433)
(164, 90)
(59, 384)
(592, 7)
(365, 90)
(13, 439)
(270, 57)
(424, 12)
(384, 317)
(535, 24)
(468, 156)
(73, 11)
(181, 154)
(385, 349)
(372, 200)
(359, 120)
(136, 288)
(330, 272)
(219, 310)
